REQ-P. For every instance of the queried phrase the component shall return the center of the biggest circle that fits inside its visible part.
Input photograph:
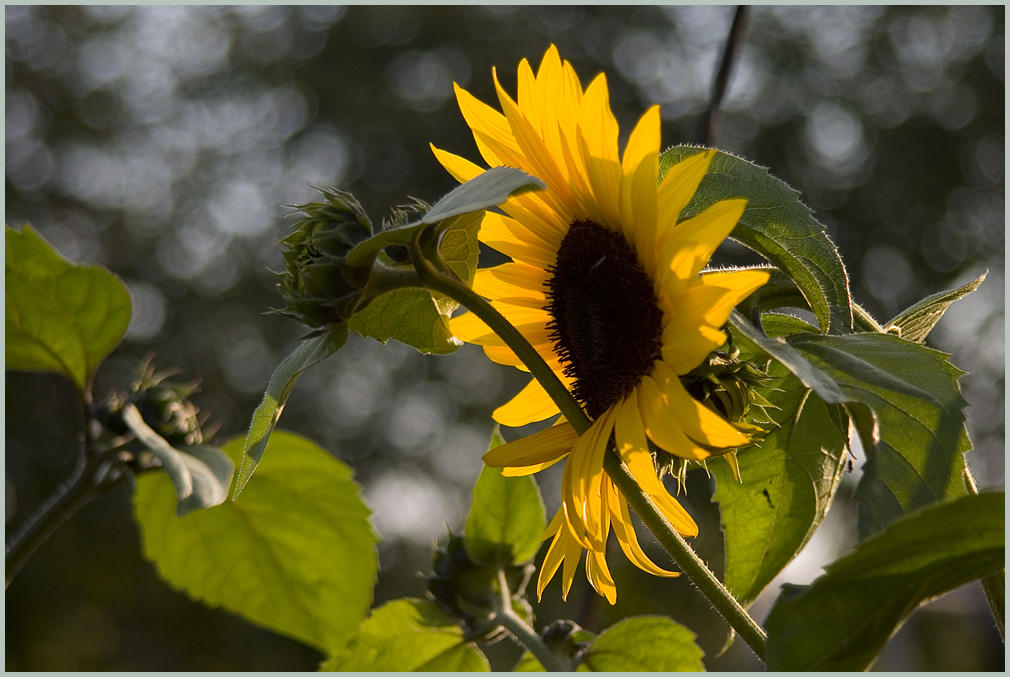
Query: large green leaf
(418, 317)
(60, 316)
(309, 352)
(408, 635)
(295, 555)
(914, 395)
(506, 521)
(915, 322)
(904, 399)
(788, 483)
(845, 617)
(779, 227)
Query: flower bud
(318, 285)
(164, 405)
(471, 592)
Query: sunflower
(605, 284)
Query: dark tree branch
(713, 114)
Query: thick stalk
(993, 585)
(524, 634)
(436, 275)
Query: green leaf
(61, 316)
(506, 522)
(408, 635)
(843, 620)
(915, 398)
(200, 473)
(788, 482)
(417, 317)
(915, 322)
(296, 555)
(779, 227)
(489, 189)
(309, 353)
(645, 644)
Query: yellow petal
(685, 345)
(599, 575)
(524, 470)
(597, 145)
(530, 405)
(586, 466)
(565, 549)
(628, 539)
(696, 420)
(545, 446)
(513, 239)
(679, 185)
(640, 168)
(660, 427)
(736, 286)
(708, 229)
(511, 279)
(458, 167)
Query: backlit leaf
(295, 555)
(915, 322)
(60, 316)
(408, 635)
(645, 644)
(506, 521)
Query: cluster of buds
(320, 287)
(471, 592)
(165, 406)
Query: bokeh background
(161, 142)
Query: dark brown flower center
(606, 324)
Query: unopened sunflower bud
(318, 285)
(471, 592)
(164, 405)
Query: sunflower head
(605, 283)
(318, 285)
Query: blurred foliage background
(161, 142)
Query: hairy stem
(524, 634)
(439, 278)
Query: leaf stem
(710, 120)
(437, 276)
(523, 633)
(993, 585)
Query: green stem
(88, 482)
(993, 585)
(438, 277)
(524, 634)
(688, 561)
